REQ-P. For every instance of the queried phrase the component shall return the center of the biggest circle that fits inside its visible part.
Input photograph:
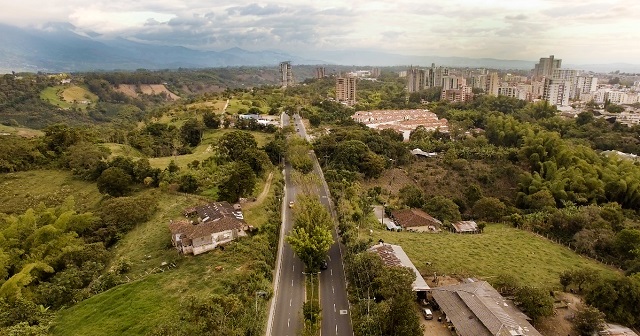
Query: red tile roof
(413, 218)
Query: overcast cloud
(578, 31)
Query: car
(324, 265)
(291, 204)
(428, 315)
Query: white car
(291, 204)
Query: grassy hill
(152, 297)
(68, 96)
(501, 249)
(23, 190)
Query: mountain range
(61, 47)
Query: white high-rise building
(585, 84)
(557, 91)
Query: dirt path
(263, 194)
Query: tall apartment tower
(320, 72)
(492, 84)
(416, 79)
(544, 68)
(346, 90)
(286, 75)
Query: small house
(394, 255)
(206, 227)
(416, 220)
(465, 227)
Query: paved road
(285, 318)
(336, 319)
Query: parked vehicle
(428, 315)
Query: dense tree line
(362, 150)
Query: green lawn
(68, 96)
(499, 250)
(23, 190)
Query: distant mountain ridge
(61, 47)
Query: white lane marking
(331, 270)
(291, 282)
(294, 268)
(333, 289)
(334, 307)
(336, 329)
(290, 300)
(289, 321)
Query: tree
(85, 159)
(211, 120)
(114, 182)
(566, 279)
(310, 245)
(588, 321)
(489, 208)
(473, 194)
(191, 132)
(442, 208)
(412, 196)
(311, 237)
(188, 183)
(536, 302)
(233, 144)
(238, 181)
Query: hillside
(134, 91)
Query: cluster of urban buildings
(403, 121)
(548, 81)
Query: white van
(428, 315)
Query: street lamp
(261, 293)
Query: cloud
(519, 17)
(257, 10)
(454, 28)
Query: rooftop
(465, 226)
(477, 309)
(394, 255)
(414, 217)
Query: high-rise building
(286, 75)
(320, 72)
(544, 69)
(585, 84)
(492, 84)
(420, 79)
(509, 91)
(375, 72)
(346, 90)
(557, 91)
(463, 94)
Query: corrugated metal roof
(476, 308)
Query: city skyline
(578, 31)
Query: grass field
(20, 131)
(499, 250)
(68, 96)
(135, 308)
(216, 105)
(200, 153)
(23, 190)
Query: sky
(577, 31)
